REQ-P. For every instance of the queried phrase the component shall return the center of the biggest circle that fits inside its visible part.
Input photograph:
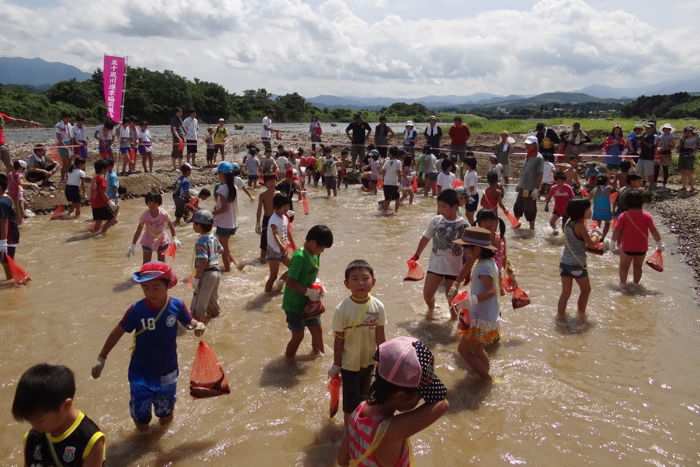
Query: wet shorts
(161, 248)
(635, 253)
(224, 232)
(145, 149)
(102, 214)
(147, 396)
(297, 322)
(73, 193)
(191, 146)
(568, 270)
(473, 203)
(447, 277)
(124, 149)
(432, 176)
(391, 192)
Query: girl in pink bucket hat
(404, 375)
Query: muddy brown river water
(625, 392)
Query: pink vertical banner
(113, 81)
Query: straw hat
(476, 236)
(667, 126)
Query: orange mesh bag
(414, 184)
(380, 183)
(520, 298)
(305, 205)
(207, 378)
(171, 250)
(334, 391)
(313, 309)
(457, 183)
(415, 271)
(656, 261)
(514, 222)
(19, 275)
(58, 212)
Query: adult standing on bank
(645, 164)
(360, 132)
(503, 151)
(315, 132)
(220, 135)
(178, 134)
(191, 126)
(459, 136)
(433, 134)
(575, 141)
(529, 183)
(266, 134)
(64, 137)
(382, 136)
(548, 141)
(410, 135)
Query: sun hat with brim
(204, 217)
(667, 126)
(531, 139)
(221, 120)
(224, 167)
(155, 270)
(408, 363)
(409, 123)
(476, 236)
(433, 117)
(691, 129)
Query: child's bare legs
(397, 203)
(76, 207)
(470, 217)
(223, 239)
(625, 262)
(553, 222)
(316, 339)
(148, 255)
(475, 356)
(6, 268)
(448, 286)
(432, 282)
(637, 263)
(584, 285)
(106, 226)
(274, 270)
(410, 198)
(606, 229)
(293, 344)
(566, 284)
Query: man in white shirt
(64, 137)
(266, 135)
(392, 178)
(191, 126)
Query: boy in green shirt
(301, 274)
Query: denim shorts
(224, 232)
(297, 322)
(568, 270)
(149, 396)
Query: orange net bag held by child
(207, 378)
(415, 271)
(519, 298)
(334, 391)
(656, 261)
(315, 308)
(18, 274)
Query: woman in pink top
(152, 224)
(376, 436)
(632, 236)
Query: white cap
(667, 126)
(409, 123)
(532, 139)
(221, 119)
(22, 163)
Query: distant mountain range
(36, 72)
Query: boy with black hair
(207, 272)
(278, 239)
(153, 369)
(181, 193)
(358, 325)
(445, 260)
(61, 434)
(102, 210)
(264, 212)
(302, 273)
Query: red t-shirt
(562, 194)
(459, 135)
(633, 227)
(98, 192)
(490, 198)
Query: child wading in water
(61, 434)
(102, 209)
(632, 234)
(376, 435)
(181, 193)
(9, 230)
(153, 369)
(265, 210)
(446, 258)
(602, 209)
(278, 240)
(478, 322)
(226, 209)
(302, 273)
(407, 176)
(155, 219)
(493, 194)
(358, 325)
(75, 185)
(562, 193)
(207, 251)
(572, 265)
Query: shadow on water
(468, 394)
(80, 237)
(431, 332)
(281, 373)
(134, 446)
(571, 327)
(323, 449)
(182, 452)
(258, 303)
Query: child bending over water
(155, 219)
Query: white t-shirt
(330, 167)
(74, 177)
(144, 136)
(430, 163)
(282, 163)
(64, 131)
(471, 181)
(282, 224)
(445, 180)
(498, 170)
(191, 126)
(251, 164)
(488, 309)
(392, 172)
(229, 218)
(79, 133)
(548, 173)
(358, 322)
(446, 257)
(267, 127)
(374, 169)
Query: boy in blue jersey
(153, 369)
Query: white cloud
(336, 46)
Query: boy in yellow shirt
(358, 324)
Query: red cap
(155, 270)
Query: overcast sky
(406, 48)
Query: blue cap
(235, 167)
(224, 167)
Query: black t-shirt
(69, 451)
(360, 130)
(381, 133)
(176, 128)
(648, 147)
